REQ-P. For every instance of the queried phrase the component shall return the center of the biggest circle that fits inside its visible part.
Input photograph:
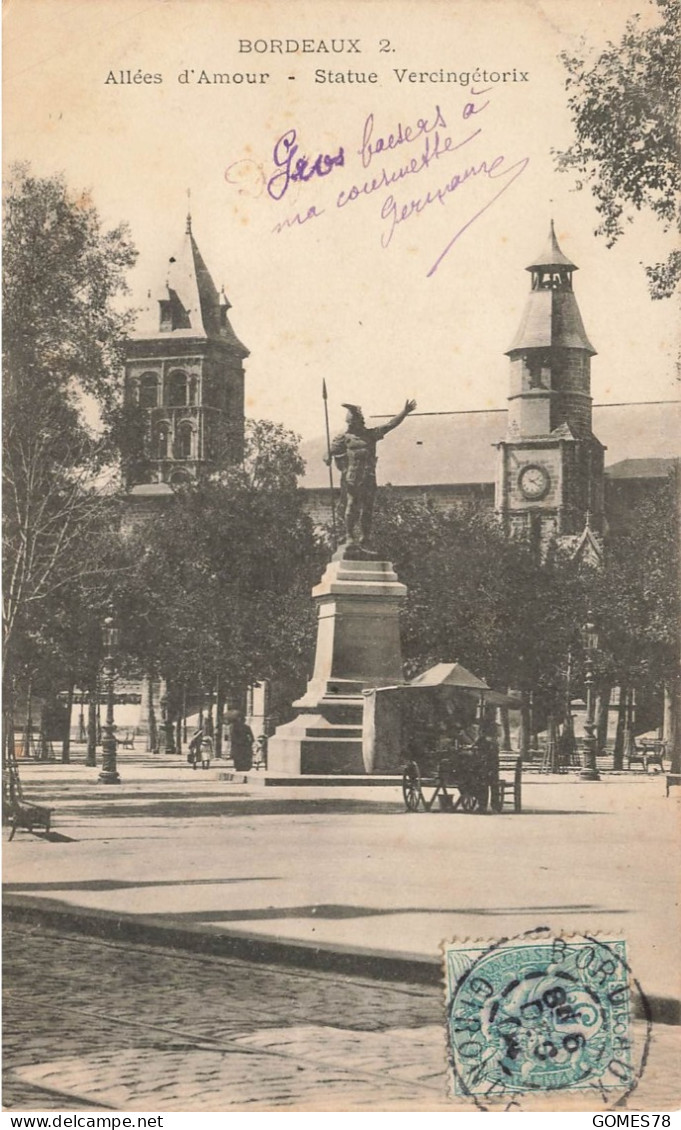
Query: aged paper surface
(391, 264)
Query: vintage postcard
(341, 439)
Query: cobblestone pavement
(91, 1024)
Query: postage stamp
(540, 1013)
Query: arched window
(162, 441)
(185, 440)
(193, 390)
(148, 395)
(177, 388)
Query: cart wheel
(470, 802)
(411, 787)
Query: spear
(329, 463)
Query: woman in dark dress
(241, 744)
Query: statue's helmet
(354, 412)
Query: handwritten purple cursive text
(292, 168)
(403, 135)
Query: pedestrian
(206, 750)
(261, 752)
(194, 748)
(241, 744)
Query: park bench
(673, 779)
(24, 813)
(510, 780)
(646, 754)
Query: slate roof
(551, 255)
(442, 448)
(189, 287)
(551, 317)
(641, 469)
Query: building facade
(552, 465)
(185, 369)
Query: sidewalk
(343, 877)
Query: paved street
(119, 1022)
(91, 1024)
(142, 1028)
(349, 868)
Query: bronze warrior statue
(354, 453)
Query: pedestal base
(311, 744)
(358, 646)
(109, 777)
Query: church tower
(184, 368)
(550, 465)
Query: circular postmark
(538, 1013)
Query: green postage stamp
(539, 1013)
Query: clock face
(534, 481)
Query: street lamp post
(109, 774)
(589, 768)
(166, 742)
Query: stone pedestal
(358, 645)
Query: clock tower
(549, 484)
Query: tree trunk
(178, 732)
(7, 722)
(674, 739)
(219, 716)
(524, 724)
(82, 732)
(602, 710)
(66, 741)
(667, 714)
(618, 760)
(91, 755)
(552, 744)
(8, 709)
(210, 722)
(8, 750)
(534, 740)
(44, 745)
(505, 728)
(28, 731)
(152, 735)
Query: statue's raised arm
(409, 406)
(355, 456)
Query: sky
(414, 289)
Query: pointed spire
(188, 301)
(551, 254)
(587, 547)
(551, 316)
